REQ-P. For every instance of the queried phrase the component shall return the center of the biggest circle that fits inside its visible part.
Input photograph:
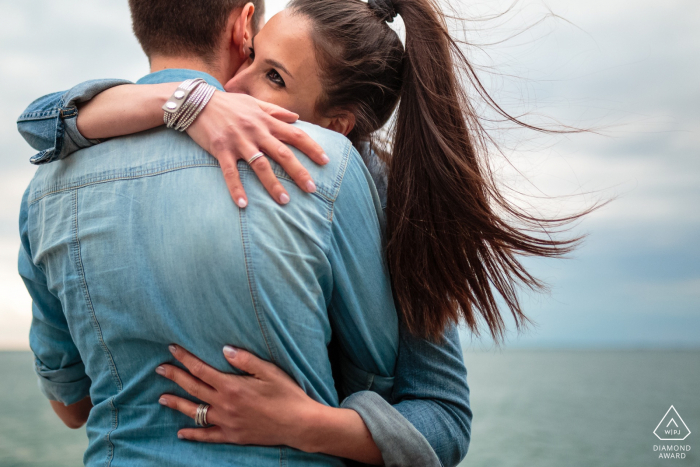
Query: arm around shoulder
(49, 123)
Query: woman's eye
(275, 77)
(252, 54)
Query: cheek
(304, 104)
(252, 82)
(306, 110)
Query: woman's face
(282, 67)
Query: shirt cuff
(67, 385)
(67, 138)
(400, 443)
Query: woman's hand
(265, 408)
(254, 126)
(231, 127)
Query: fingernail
(229, 351)
(284, 198)
(180, 436)
(311, 186)
(163, 401)
(242, 203)
(172, 348)
(160, 370)
(325, 158)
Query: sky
(628, 70)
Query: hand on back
(265, 407)
(237, 126)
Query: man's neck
(188, 63)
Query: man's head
(179, 28)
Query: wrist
(162, 94)
(311, 425)
(157, 97)
(321, 426)
(124, 110)
(336, 432)
(186, 103)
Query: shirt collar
(172, 75)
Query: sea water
(532, 408)
(581, 408)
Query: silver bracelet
(186, 103)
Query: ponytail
(453, 238)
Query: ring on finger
(200, 418)
(255, 157)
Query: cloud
(628, 68)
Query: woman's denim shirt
(280, 268)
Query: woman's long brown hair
(453, 237)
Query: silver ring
(200, 419)
(255, 158)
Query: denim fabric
(424, 369)
(354, 379)
(135, 243)
(400, 448)
(431, 391)
(377, 169)
(49, 123)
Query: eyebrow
(276, 64)
(273, 63)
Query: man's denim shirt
(65, 212)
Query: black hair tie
(384, 9)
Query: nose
(233, 85)
(239, 82)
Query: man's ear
(343, 123)
(243, 29)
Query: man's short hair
(185, 27)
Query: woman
(446, 241)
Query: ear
(343, 123)
(243, 29)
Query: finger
(300, 140)
(246, 361)
(286, 158)
(278, 112)
(197, 367)
(188, 408)
(194, 387)
(229, 168)
(263, 170)
(212, 434)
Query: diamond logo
(671, 427)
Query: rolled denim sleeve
(430, 421)
(365, 323)
(430, 387)
(49, 124)
(400, 443)
(431, 391)
(58, 364)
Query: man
(60, 225)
